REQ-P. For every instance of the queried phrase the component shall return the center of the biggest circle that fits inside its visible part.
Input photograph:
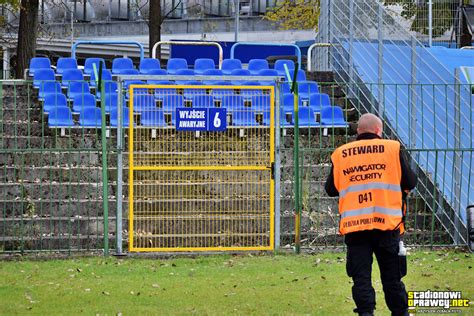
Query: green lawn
(221, 284)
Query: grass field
(214, 285)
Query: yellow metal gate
(201, 190)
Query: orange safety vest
(367, 174)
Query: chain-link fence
(52, 192)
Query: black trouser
(385, 244)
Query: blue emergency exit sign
(201, 119)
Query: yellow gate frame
(267, 167)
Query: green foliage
(295, 14)
(13, 3)
(417, 11)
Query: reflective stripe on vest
(370, 186)
(370, 210)
(367, 174)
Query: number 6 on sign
(217, 118)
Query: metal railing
(190, 43)
(422, 101)
(51, 193)
(51, 197)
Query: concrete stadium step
(81, 172)
(24, 126)
(44, 190)
(52, 158)
(63, 242)
(53, 140)
(25, 113)
(20, 102)
(202, 240)
(16, 90)
(36, 226)
(44, 207)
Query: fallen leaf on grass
(156, 286)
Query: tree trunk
(27, 32)
(154, 26)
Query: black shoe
(366, 314)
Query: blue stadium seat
(285, 87)
(82, 101)
(106, 76)
(203, 64)
(170, 102)
(37, 63)
(248, 93)
(60, 117)
(48, 87)
(119, 65)
(148, 65)
(89, 65)
(42, 75)
(280, 68)
(157, 72)
(212, 72)
(228, 65)
(202, 100)
(268, 72)
(129, 72)
(161, 92)
(219, 93)
(65, 63)
(255, 65)
(288, 102)
(188, 93)
(77, 88)
(240, 72)
(128, 83)
(260, 103)
(306, 88)
(142, 102)
(333, 116)
(71, 75)
(306, 117)
(244, 118)
(184, 72)
(175, 64)
(90, 117)
(300, 75)
(114, 117)
(111, 102)
(154, 118)
(110, 87)
(317, 101)
(232, 102)
(284, 117)
(54, 100)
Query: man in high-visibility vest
(370, 176)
